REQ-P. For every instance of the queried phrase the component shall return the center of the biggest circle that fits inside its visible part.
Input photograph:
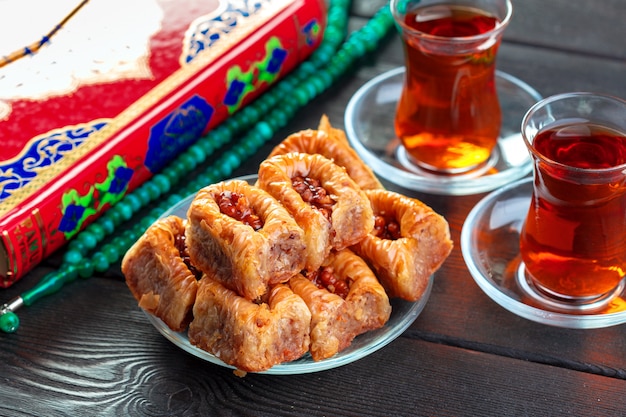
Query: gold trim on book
(5, 255)
(29, 237)
(149, 100)
(36, 214)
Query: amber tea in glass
(573, 243)
(448, 116)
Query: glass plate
(403, 313)
(490, 247)
(369, 123)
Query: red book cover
(118, 91)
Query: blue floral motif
(209, 31)
(278, 57)
(175, 132)
(311, 31)
(73, 214)
(42, 152)
(234, 92)
(77, 207)
(120, 180)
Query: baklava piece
(330, 318)
(408, 244)
(369, 303)
(345, 300)
(159, 275)
(332, 144)
(241, 236)
(250, 336)
(327, 204)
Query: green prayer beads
(261, 119)
(9, 322)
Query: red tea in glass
(448, 116)
(573, 243)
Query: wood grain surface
(90, 351)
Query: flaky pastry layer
(330, 318)
(336, 321)
(405, 265)
(351, 219)
(249, 336)
(369, 303)
(332, 144)
(232, 252)
(158, 277)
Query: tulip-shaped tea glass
(552, 247)
(448, 116)
(446, 122)
(573, 242)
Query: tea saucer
(369, 124)
(490, 247)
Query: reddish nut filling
(313, 193)
(325, 277)
(179, 243)
(386, 227)
(236, 206)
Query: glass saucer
(369, 124)
(490, 247)
(403, 314)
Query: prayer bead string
(261, 119)
(36, 46)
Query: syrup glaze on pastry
(241, 236)
(332, 144)
(157, 275)
(250, 336)
(330, 318)
(369, 303)
(404, 264)
(317, 219)
(345, 300)
(351, 216)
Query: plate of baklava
(307, 265)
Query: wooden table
(89, 350)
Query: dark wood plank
(558, 25)
(78, 368)
(89, 350)
(552, 72)
(584, 27)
